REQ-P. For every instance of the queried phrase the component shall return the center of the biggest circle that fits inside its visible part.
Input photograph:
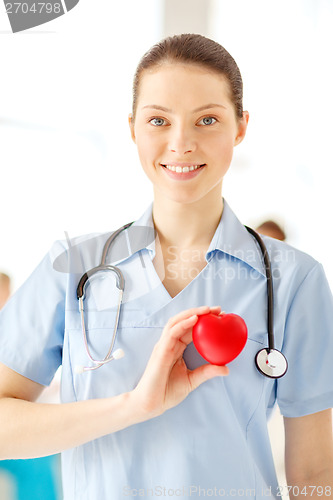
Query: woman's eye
(207, 120)
(157, 122)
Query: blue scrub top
(215, 443)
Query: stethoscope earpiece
(118, 354)
(272, 363)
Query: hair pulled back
(193, 49)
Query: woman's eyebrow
(209, 106)
(201, 108)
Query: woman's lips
(182, 171)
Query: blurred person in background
(4, 289)
(272, 229)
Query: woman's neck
(187, 225)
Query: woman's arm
(29, 429)
(309, 455)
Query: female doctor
(160, 421)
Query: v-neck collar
(230, 237)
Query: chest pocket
(117, 376)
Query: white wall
(284, 167)
(65, 148)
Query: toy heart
(219, 338)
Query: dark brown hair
(193, 49)
(271, 228)
(4, 279)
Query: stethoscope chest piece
(271, 363)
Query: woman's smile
(183, 172)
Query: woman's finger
(215, 310)
(193, 311)
(179, 327)
(206, 372)
(187, 314)
(180, 332)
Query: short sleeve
(32, 324)
(307, 386)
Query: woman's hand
(167, 381)
(29, 430)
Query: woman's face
(185, 130)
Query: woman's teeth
(182, 169)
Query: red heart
(219, 338)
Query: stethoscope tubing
(270, 293)
(80, 292)
(110, 240)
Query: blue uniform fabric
(215, 443)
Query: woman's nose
(181, 141)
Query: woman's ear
(242, 127)
(131, 124)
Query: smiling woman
(179, 140)
(161, 418)
(187, 135)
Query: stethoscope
(269, 361)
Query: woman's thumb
(206, 372)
